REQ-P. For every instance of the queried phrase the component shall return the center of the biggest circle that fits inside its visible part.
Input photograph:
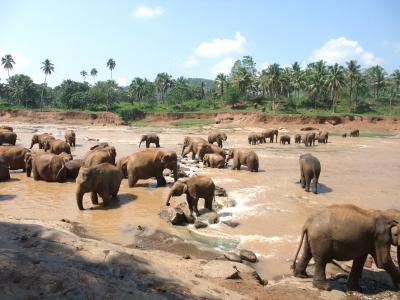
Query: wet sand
(271, 206)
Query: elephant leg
(94, 198)
(189, 201)
(195, 202)
(208, 202)
(161, 180)
(355, 274)
(319, 280)
(157, 144)
(132, 180)
(147, 144)
(300, 269)
(388, 266)
(307, 179)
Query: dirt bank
(65, 117)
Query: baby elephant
(297, 139)
(194, 187)
(103, 179)
(310, 168)
(355, 133)
(213, 160)
(285, 139)
(70, 137)
(255, 138)
(150, 139)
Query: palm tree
(47, 68)
(221, 81)
(298, 79)
(377, 77)
(137, 89)
(93, 73)
(84, 74)
(111, 65)
(395, 80)
(353, 71)
(274, 72)
(163, 82)
(7, 61)
(336, 79)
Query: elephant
(344, 135)
(73, 166)
(194, 187)
(347, 232)
(323, 137)
(213, 160)
(253, 138)
(270, 134)
(100, 155)
(122, 164)
(4, 171)
(243, 157)
(217, 137)
(355, 133)
(199, 149)
(191, 145)
(150, 138)
(99, 146)
(309, 139)
(70, 137)
(103, 179)
(284, 139)
(310, 169)
(40, 139)
(46, 166)
(297, 139)
(13, 156)
(8, 137)
(6, 128)
(56, 146)
(151, 163)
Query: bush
(232, 95)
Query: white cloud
(264, 65)
(341, 50)
(121, 81)
(190, 61)
(21, 61)
(224, 66)
(219, 47)
(144, 11)
(393, 45)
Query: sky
(193, 38)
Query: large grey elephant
(56, 146)
(8, 137)
(347, 232)
(150, 139)
(270, 134)
(98, 155)
(192, 142)
(73, 166)
(40, 139)
(217, 137)
(310, 169)
(14, 156)
(244, 157)
(102, 179)
(46, 166)
(194, 187)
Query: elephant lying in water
(347, 232)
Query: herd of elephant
(338, 232)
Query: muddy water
(271, 206)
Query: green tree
(137, 89)
(353, 71)
(111, 65)
(163, 82)
(8, 63)
(180, 91)
(221, 81)
(84, 74)
(72, 94)
(47, 68)
(274, 73)
(106, 93)
(377, 76)
(93, 73)
(22, 90)
(232, 95)
(316, 74)
(336, 79)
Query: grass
(185, 123)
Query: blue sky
(193, 38)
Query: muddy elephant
(46, 166)
(355, 133)
(255, 138)
(217, 137)
(70, 137)
(4, 171)
(323, 137)
(297, 138)
(6, 128)
(103, 180)
(309, 139)
(40, 139)
(150, 139)
(191, 144)
(8, 137)
(122, 164)
(347, 232)
(14, 156)
(310, 169)
(244, 157)
(270, 134)
(56, 146)
(73, 166)
(100, 155)
(284, 139)
(194, 187)
(213, 160)
(151, 163)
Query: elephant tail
(299, 247)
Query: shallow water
(271, 206)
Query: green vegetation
(316, 89)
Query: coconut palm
(336, 79)
(137, 89)
(353, 71)
(93, 73)
(221, 80)
(274, 72)
(84, 74)
(163, 82)
(377, 77)
(298, 79)
(7, 62)
(47, 68)
(111, 65)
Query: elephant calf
(103, 179)
(347, 232)
(70, 137)
(150, 139)
(255, 138)
(8, 137)
(243, 157)
(194, 187)
(310, 169)
(323, 137)
(213, 160)
(284, 139)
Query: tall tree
(221, 81)
(111, 65)
(335, 80)
(47, 68)
(274, 73)
(137, 89)
(93, 73)
(377, 77)
(298, 79)
(353, 71)
(163, 82)
(84, 74)
(8, 63)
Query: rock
(220, 192)
(200, 224)
(232, 257)
(248, 255)
(210, 217)
(187, 256)
(230, 223)
(225, 269)
(175, 215)
(223, 202)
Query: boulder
(248, 255)
(232, 257)
(220, 192)
(225, 269)
(209, 217)
(200, 224)
(223, 202)
(175, 215)
(231, 223)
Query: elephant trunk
(33, 143)
(141, 142)
(168, 198)
(175, 171)
(61, 174)
(79, 199)
(28, 171)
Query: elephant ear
(383, 239)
